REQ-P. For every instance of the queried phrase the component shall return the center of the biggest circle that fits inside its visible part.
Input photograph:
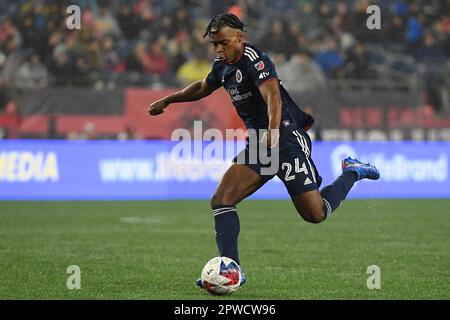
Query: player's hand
(157, 107)
(271, 138)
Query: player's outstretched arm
(195, 91)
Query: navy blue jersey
(242, 79)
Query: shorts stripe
(304, 144)
(309, 157)
(301, 144)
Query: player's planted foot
(363, 170)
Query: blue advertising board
(140, 170)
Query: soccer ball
(221, 275)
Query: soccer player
(250, 78)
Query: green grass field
(156, 250)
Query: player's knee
(313, 217)
(223, 198)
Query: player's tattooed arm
(271, 95)
(195, 91)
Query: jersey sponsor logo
(260, 66)
(238, 76)
(286, 123)
(263, 75)
(237, 96)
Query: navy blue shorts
(294, 167)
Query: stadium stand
(158, 44)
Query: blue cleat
(363, 170)
(243, 280)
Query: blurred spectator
(278, 59)
(135, 61)
(396, 30)
(73, 135)
(63, 68)
(430, 50)
(195, 69)
(359, 29)
(414, 30)
(236, 10)
(325, 13)
(3, 98)
(400, 8)
(308, 19)
(443, 30)
(183, 20)
(130, 23)
(27, 31)
(292, 38)
(330, 59)
(32, 74)
(144, 9)
(302, 73)
(106, 23)
(9, 33)
(129, 133)
(347, 19)
(88, 132)
(275, 40)
(357, 64)
(431, 58)
(110, 60)
(157, 62)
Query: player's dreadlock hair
(221, 20)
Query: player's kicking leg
(237, 183)
(315, 206)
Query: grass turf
(156, 250)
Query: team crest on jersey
(259, 66)
(238, 76)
